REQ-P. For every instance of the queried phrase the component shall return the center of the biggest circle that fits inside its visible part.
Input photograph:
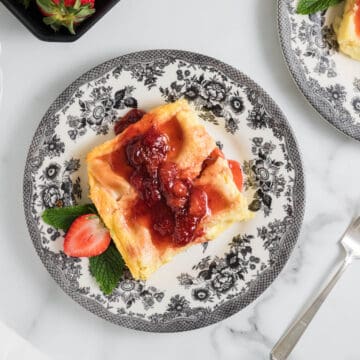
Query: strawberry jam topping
(130, 118)
(147, 151)
(357, 17)
(234, 166)
(176, 207)
(237, 173)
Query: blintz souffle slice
(162, 185)
(347, 29)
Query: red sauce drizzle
(216, 201)
(216, 153)
(357, 17)
(169, 205)
(174, 132)
(237, 173)
(128, 119)
(119, 164)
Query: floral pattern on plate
(208, 282)
(326, 77)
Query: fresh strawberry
(66, 13)
(86, 237)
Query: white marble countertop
(243, 34)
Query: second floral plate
(329, 80)
(208, 282)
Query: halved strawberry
(86, 237)
(66, 13)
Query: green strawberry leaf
(77, 4)
(58, 14)
(46, 5)
(70, 27)
(62, 218)
(107, 269)
(306, 7)
(49, 20)
(84, 12)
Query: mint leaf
(62, 218)
(107, 269)
(312, 6)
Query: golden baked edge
(345, 29)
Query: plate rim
(299, 78)
(262, 282)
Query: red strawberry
(86, 237)
(66, 13)
(198, 203)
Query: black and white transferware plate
(208, 282)
(329, 80)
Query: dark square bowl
(32, 19)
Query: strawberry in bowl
(67, 13)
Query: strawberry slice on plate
(86, 237)
(65, 13)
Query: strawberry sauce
(357, 17)
(174, 205)
(169, 205)
(130, 118)
(237, 173)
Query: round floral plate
(329, 80)
(208, 282)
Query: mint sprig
(62, 218)
(306, 7)
(107, 269)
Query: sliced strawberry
(86, 237)
(65, 13)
